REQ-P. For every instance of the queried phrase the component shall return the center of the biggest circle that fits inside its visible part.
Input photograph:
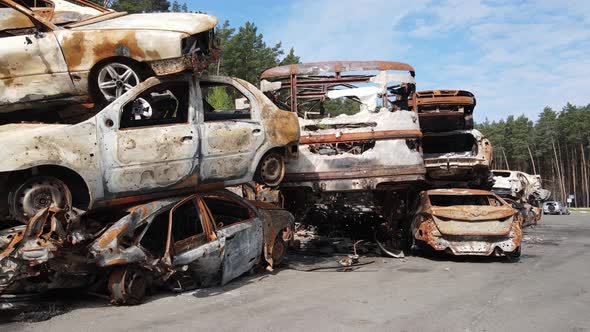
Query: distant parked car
(169, 135)
(554, 207)
(97, 58)
(467, 222)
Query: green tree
(291, 58)
(175, 7)
(140, 6)
(245, 54)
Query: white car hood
(180, 22)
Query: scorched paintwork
(54, 65)
(484, 230)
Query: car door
(231, 131)
(32, 66)
(240, 228)
(194, 247)
(149, 141)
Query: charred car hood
(179, 22)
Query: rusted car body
(96, 59)
(197, 241)
(161, 138)
(180, 242)
(444, 110)
(376, 145)
(360, 150)
(48, 253)
(467, 222)
(459, 155)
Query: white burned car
(166, 135)
(93, 58)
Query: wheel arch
(79, 189)
(279, 149)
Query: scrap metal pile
(116, 159)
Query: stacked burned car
(164, 142)
(181, 243)
(360, 152)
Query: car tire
(513, 257)
(36, 193)
(271, 169)
(279, 251)
(127, 286)
(110, 80)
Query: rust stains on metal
(359, 137)
(467, 222)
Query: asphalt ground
(548, 290)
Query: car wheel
(279, 250)
(127, 286)
(514, 256)
(36, 194)
(271, 169)
(113, 79)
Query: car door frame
(108, 123)
(244, 240)
(219, 165)
(205, 259)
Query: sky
(516, 56)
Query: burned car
(198, 241)
(164, 137)
(520, 186)
(460, 155)
(96, 59)
(510, 184)
(360, 139)
(182, 243)
(444, 110)
(466, 222)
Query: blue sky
(516, 56)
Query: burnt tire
(127, 286)
(110, 80)
(513, 257)
(279, 250)
(271, 169)
(35, 194)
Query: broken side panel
(358, 132)
(444, 110)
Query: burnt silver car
(197, 241)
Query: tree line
(555, 146)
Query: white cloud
(346, 29)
